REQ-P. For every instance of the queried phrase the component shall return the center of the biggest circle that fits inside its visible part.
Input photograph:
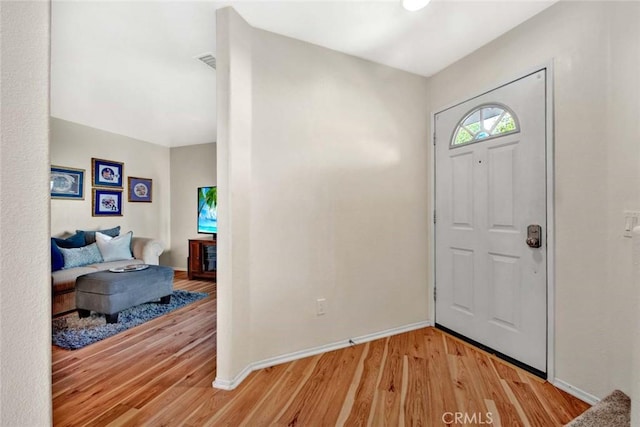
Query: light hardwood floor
(160, 374)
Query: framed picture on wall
(140, 189)
(107, 173)
(106, 202)
(67, 183)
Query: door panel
(463, 280)
(501, 187)
(504, 306)
(462, 196)
(491, 286)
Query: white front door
(491, 285)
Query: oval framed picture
(67, 183)
(140, 189)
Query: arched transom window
(485, 122)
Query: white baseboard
(272, 361)
(575, 391)
(235, 382)
(179, 269)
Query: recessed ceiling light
(413, 5)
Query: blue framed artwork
(140, 189)
(106, 202)
(67, 183)
(106, 173)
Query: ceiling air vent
(208, 59)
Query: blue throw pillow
(77, 257)
(75, 241)
(57, 261)
(90, 236)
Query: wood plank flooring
(160, 374)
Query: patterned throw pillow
(78, 257)
(114, 248)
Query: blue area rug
(72, 333)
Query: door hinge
(434, 216)
(434, 138)
(435, 293)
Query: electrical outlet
(321, 306)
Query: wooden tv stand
(202, 259)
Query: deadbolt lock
(534, 236)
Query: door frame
(550, 196)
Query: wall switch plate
(631, 219)
(321, 306)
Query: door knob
(534, 233)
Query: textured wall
(25, 281)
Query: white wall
(73, 145)
(233, 79)
(25, 281)
(191, 167)
(594, 48)
(332, 188)
(623, 191)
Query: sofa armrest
(147, 249)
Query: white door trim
(550, 207)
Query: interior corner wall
(595, 51)
(332, 188)
(192, 166)
(25, 278)
(73, 145)
(338, 196)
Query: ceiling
(129, 68)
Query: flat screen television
(207, 210)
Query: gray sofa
(63, 282)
